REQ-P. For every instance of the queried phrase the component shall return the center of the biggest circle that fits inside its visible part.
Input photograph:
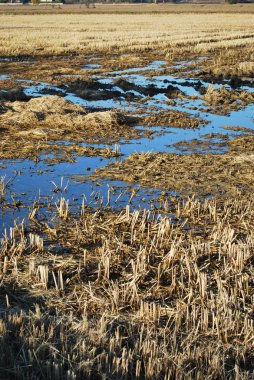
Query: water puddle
(5, 59)
(91, 66)
(187, 64)
(40, 89)
(100, 104)
(141, 92)
(153, 66)
(30, 183)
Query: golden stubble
(58, 34)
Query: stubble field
(126, 192)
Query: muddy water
(43, 183)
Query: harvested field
(132, 295)
(126, 192)
(170, 34)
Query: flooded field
(173, 115)
(126, 193)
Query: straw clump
(58, 112)
(173, 118)
(52, 111)
(53, 117)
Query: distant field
(127, 8)
(163, 33)
(228, 39)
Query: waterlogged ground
(198, 123)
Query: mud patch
(13, 94)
